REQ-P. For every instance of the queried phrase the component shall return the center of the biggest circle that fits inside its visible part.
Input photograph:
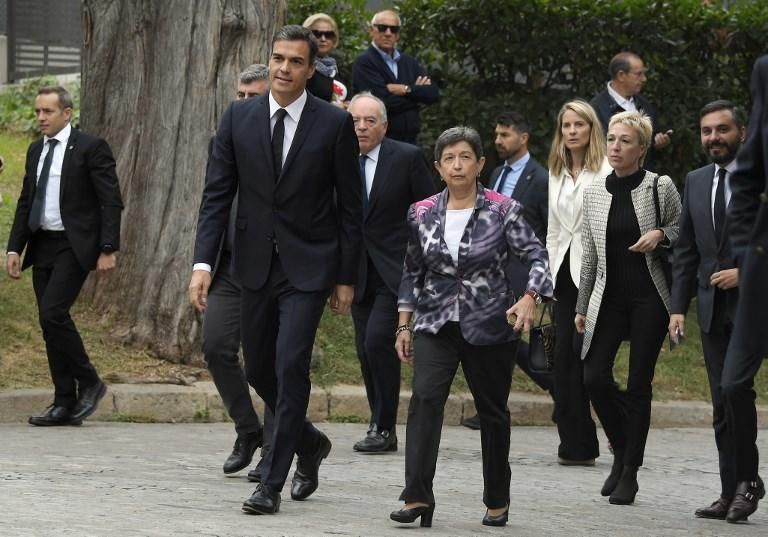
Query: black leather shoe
(242, 452)
(305, 478)
(472, 422)
(256, 474)
(718, 509)
(54, 415)
(496, 520)
(377, 441)
(744, 503)
(613, 478)
(88, 400)
(263, 501)
(406, 516)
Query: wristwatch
(534, 295)
(107, 249)
(407, 89)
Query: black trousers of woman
(488, 370)
(626, 414)
(578, 436)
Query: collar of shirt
(62, 136)
(518, 165)
(373, 154)
(626, 104)
(729, 168)
(395, 56)
(294, 109)
(370, 167)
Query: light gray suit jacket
(597, 204)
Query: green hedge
(533, 55)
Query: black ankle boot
(625, 491)
(613, 478)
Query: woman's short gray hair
(454, 135)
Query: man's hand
(648, 242)
(398, 89)
(13, 266)
(198, 289)
(676, 327)
(581, 323)
(404, 346)
(106, 262)
(522, 314)
(662, 139)
(725, 279)
(341, 299)
(423, 81)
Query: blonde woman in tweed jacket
(623, 293)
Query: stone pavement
(120, 479)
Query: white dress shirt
(370, 168)
(291, 122)
(626, 104)
(729, 169)
(52, 212)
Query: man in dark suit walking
(68, 219)
(748, 226)
(395, 175)
(704, 268)
(622, 93)
(221, 325)
(292, 160)
(394, 77)
(521, 178)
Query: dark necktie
(720, 205)
(278, 134)
(38, 203)
(503, 179)
(363, 158)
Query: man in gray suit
(704, 268)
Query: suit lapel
(383, 167)
(71, 145)
(383, 67)
(34, 159)
(702, 194)
(306, 121)
(262, 121)
(524, 181)
(646, 214)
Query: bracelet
(403, 328)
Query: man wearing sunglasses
(394, 77)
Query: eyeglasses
(384, 27)
(330, 34)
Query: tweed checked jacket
(597, 204)
(432, 283)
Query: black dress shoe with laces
(257, 473)
(718, 510)
(263, 501)
(242, 452)
(54, 415)
(744, 503)
(88, 400)
(377, 441)
(305, 478)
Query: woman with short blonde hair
(323, 83)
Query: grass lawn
(680, 374)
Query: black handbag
(541, 343)
(664, 254)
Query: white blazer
(561, 235)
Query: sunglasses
(330, 34)
(384, 27)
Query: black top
(627, 272)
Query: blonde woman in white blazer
(576, 159)
(623, 293)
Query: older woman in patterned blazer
(623, 293)
(454, 281)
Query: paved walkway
(116, 479)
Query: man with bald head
(622, 93)
(393, 176)
(394, 77)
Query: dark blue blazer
(531, 191)
(748, 223)
(370, 73)
(312, 212)
(698, 254)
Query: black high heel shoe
(616, 470)
(496, 520)
(405, 516)
(626, 489)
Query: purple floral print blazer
(431, 281)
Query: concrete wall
(3, 59)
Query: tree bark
(156, 77)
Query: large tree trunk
(156, 77)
